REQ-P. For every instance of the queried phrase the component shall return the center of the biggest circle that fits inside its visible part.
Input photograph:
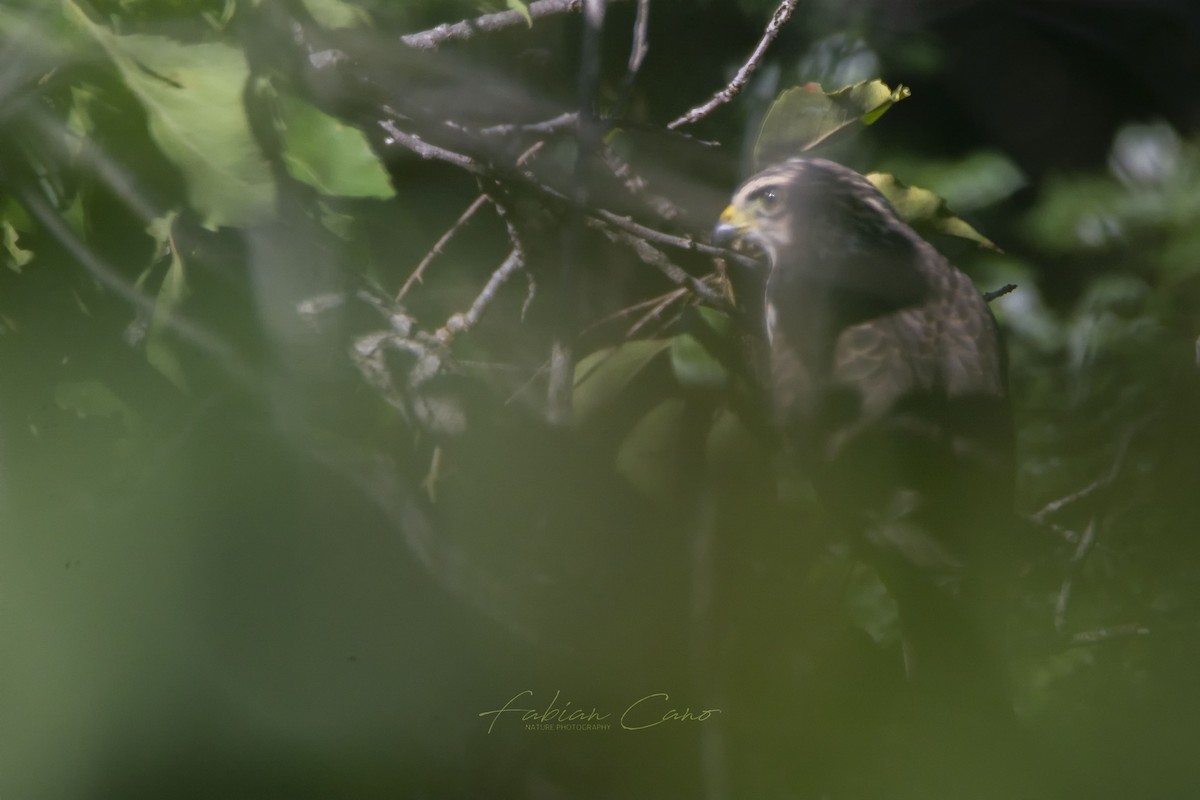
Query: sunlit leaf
(331, 157)
(601, 377)
(925, 211)
(192, 94)
(18, 256)
(805, 116)
(517, 5)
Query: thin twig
(682, 242)
(636, 185)
(431, 151)
(488, 23)
(641, 39)
(637, 54)
(995, 294)
(552, 125)
(418, 274)
(465, 320)
(656, 258)
(1114, 470)
(636, 307)
(588, 137)
(428, 150)
(514, 237)
(530, 294)
(659, 307)
(781, 16)
(1106, 634)
(1064, 593)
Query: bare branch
(637, 54)
(530, 294)
(681, 242)
(427, 150)
(655, 312)
(636, 185)
(996, 294)
(419, 273)
(778, 19)
(466, 320)
(1106, 634)
(1064, 593)
(488, 23)
(514, 237)
(680, 291)
(641, 41)
(552, 125)
(1122, 451)
(656, 258)
(626, 224)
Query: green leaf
(805, 116)
(333, 14)
(18, 257)
(871, 607)
(925, 211)
(649, 454)
(333, 158)
(601, 377)
(694, 365)
(94, 399)
(517, 5)
(192, 94)
(48, 36)
(160, 349)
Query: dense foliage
(361, 374)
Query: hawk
(887, 382)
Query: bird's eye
(768, 200)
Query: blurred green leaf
(601, 377)
(18, 256)
(695, 367)
(970, 182)
(160, 350)
(805, 116)
(192, 94)
(94, 398)
(50, 36)
(333, 158)
(333, 14)
(517, 5)
(925, 211)
(648, 456)
(871, 607)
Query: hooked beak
(730, 228)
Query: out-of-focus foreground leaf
(331, 157)
(192, 94)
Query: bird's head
(800, 206)
(832, 240)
